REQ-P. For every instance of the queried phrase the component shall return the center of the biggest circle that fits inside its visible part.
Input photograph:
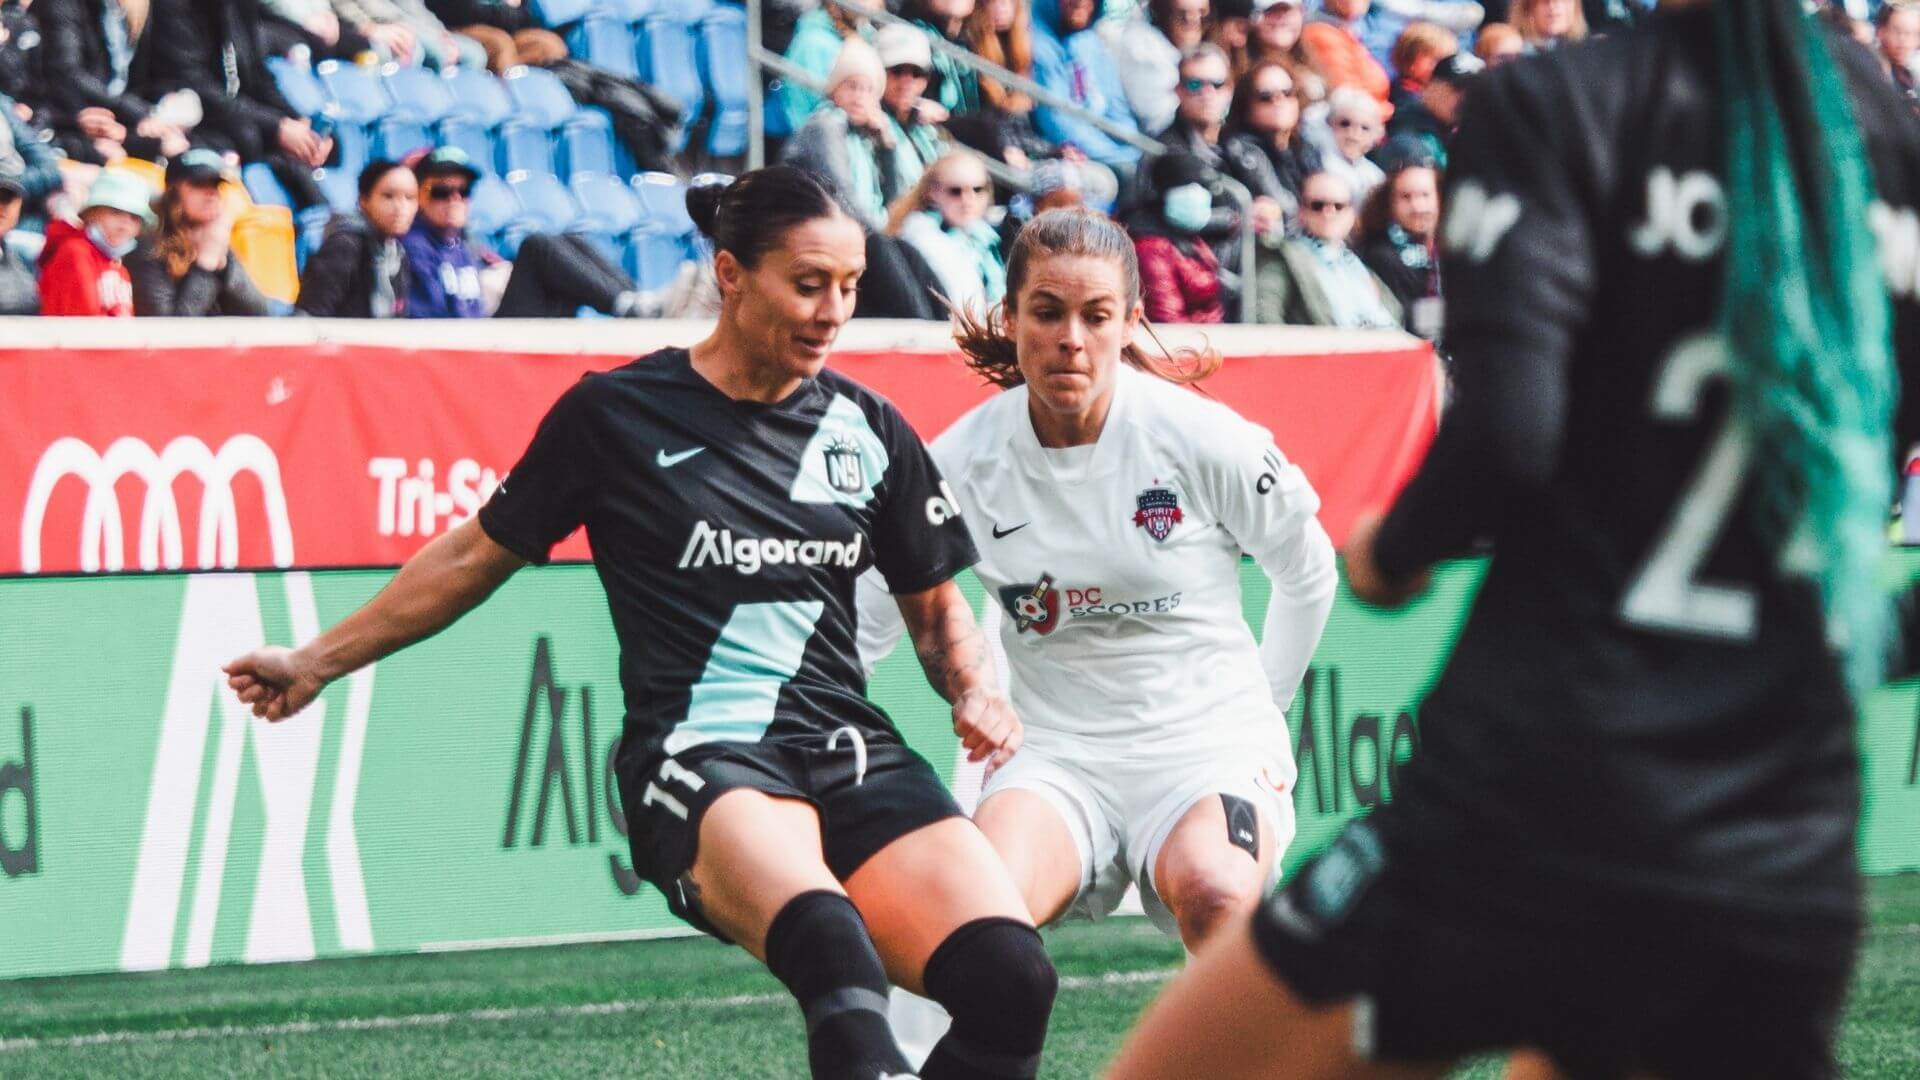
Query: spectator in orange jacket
(81, 272)
(1338, 54)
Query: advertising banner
(317, 454)
(458, 794)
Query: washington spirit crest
(1158, 513)
(844, 470)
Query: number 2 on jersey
(1667, 594)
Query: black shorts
(1437, 979)
(860, 812)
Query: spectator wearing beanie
(1315, 279)
(19, 293)
(360, 271)
(849, 140)
(1430, 119)
(451, 277)
(814, 48)
(81, 272)
(908, 61)
(186, 266)
(1179, 275)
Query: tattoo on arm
(952, 650)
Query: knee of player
(1204, 902)
(995, 974)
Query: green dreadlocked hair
(1805, 315)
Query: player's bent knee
(1202, 903)
(994, 976)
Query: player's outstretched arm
(443, 581)
(953, 651)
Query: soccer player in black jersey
(1628, 840)
(732, 494)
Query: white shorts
(1121, 813)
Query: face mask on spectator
(113, 251)
(1188, 207)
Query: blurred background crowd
(1276, 161)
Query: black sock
(993, 975)
(818, 945)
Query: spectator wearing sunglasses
(945, 219)
(1315, 278)
(1149, 48)
(451, 277)
(1264, 147)
(917, 142)
(186, 266)
(1179, 272)
(1204, 94)
(1353, 129)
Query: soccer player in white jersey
(1111, 506)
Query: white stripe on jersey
(1117, 568)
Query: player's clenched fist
(277, 682)
(985, 722)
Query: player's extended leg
(1038, 850)
(1214, 866)
(950, 924)
(762, 880)
(1227, 1017)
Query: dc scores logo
(1034, 607)
(1158, 511)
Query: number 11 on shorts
(671, 772)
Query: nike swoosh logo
(668, 461)
(1002, 534)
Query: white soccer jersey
(1117, 569)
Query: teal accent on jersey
(843, 460)
(758, 651)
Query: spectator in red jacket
(81, 272)
(1179, 275)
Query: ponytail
(1805, 315)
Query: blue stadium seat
(586, 143)
(298, 85)
(606, 41)
(471, 137)
(629, 11)
(723, 41)
(606, 205)
(309, 230)
(395, 138)
(654, 259)
(492, 207)
(663, 203)
(507, 241)
(264, 187)
(668, 61)
(687, 11)
(525, 147)
(479, 97)
(418, 94)
(341, 188)
(544, 201)
(355, 92)
(540, 96)
(552, 13)
(352, 147)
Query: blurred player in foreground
(733, 493)
(1112, 505)
(1628, 842)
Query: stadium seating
(545, 203)
(266, 188)
(606, 41)
(472, 138)
(539, 96)
(525, 147)
(607, 205)
(299, 85)
(352, 148)
(667, 61)
(355, 95)
(491, 208)
(723, 41)
(587, 144)
(395, 137)
(561, 13)
(341, 187)
(663, 203)
(418, 94)
(479, 97)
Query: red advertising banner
(318, 453)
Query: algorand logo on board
(160, 539)
(208, 742)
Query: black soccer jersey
(728, 535)
(1640, 698)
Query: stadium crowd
(1302, 150)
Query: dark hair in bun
(750, 216)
